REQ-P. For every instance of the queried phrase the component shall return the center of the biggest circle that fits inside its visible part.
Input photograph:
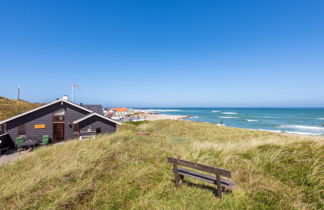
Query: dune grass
(10, 107)
(129, 170)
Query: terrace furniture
(19, 141)
(179, 173)
(45, 140)
(87, 137)
(32, 142)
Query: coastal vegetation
(129, 169)
(10, 107)
(137, 123)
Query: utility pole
(18, 93)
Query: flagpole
(72, 93)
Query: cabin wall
(97, 122)
(45, 116)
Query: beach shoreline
(152, 116)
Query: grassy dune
(10, 107)
(129, 170)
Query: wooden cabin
(60, 120)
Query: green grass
(137, 123)
(128, 170)
(10, 107)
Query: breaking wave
(302, 133)
(276, 131)
(160, 110)
(228, 113)
(215, 111)
(249, 120)
(228, 117)
(303, 127)
(321, 118)
(272, 117)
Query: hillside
(129, 170)
(10, 107)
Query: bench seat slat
(208, 178)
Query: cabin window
(21, 130)
(59, 116)
(76, 128)
(98, 130)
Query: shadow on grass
(204, 187)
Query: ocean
(305, 121)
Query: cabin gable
(94, 122)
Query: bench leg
(177, 177)
(219, 186)
(181, 177)
(177, 180)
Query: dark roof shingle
(94, 108)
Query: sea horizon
(216, 107)
(294, 120)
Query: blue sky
(165, 53)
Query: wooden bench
(179, 173)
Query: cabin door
(58, 132)
(58, 125)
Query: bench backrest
(201, 167)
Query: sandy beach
(146, 115)
(152, 117)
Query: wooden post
(181, 179)
(176, 175)
(219, 186)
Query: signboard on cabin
(39, 126)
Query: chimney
(65, 97)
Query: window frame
(18, 129)
(98, 129)
(56, 117)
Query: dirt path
(11, 157)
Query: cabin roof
(94, 108)
(95, 114)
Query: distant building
(119, 111)
(60, 120)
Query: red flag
(75, 86)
